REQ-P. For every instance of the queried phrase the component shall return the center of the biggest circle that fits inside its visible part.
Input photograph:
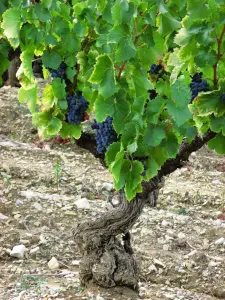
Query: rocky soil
(46, 188)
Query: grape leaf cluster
(198, 85)
(77, 106)
(105, 134)
(60, 72)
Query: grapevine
(98, 54)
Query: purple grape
(77, 105)
(105, 134)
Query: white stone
(37, 206)
(108, 186)
(181, 236)
(152, 269)
(3, 217)
(42, 239)
(220, 241)
(34, 250)
(83, 203)
(18, 251)
(159, 263)
(166, 247)
(217, 182)
(193, 252)
(75, 262)
(213, 263)
(53, 264)
(165, 223)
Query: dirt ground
(46, 188)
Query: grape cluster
(105, 134)
(77, 105)
(157, 70)
(60, 72)
(198, 85)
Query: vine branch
(135, 42)
(219, 55)
(87, 141)
(72, 88)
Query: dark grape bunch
(105, 134)
(198, 85)
(157, 70)
(77, 105)
(60, 72)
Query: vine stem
(143, 30)
(219, 55)
(135, 42)
(75, 80)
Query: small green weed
(57, 173)
(6, 179)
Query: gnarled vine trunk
(106, 260)
(13, 68)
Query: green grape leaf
(117, 164)
(181, 94)
(117, 34)
(42, 13)
(119, 108)
(11, 24)
(15, 2)
(154, 134)
(54, 126)
(138, 105)
(124, 171)
(129, 137)
(51, 59)
(139, 82)
(48, 99)
(125, 50)
(26, 64)
(179, 114)
(69, 130)
(111, 153)
(154, 109)
(46, 3)
(29, 97)
(155, 161)
(217, 125)
(183, 37)
(133, 179)
(198, 9)
(58, 88)
(167, 23)
(217, 143)
(209, 103)
(104, 75)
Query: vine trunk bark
(108, 260)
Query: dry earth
(180, 245)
